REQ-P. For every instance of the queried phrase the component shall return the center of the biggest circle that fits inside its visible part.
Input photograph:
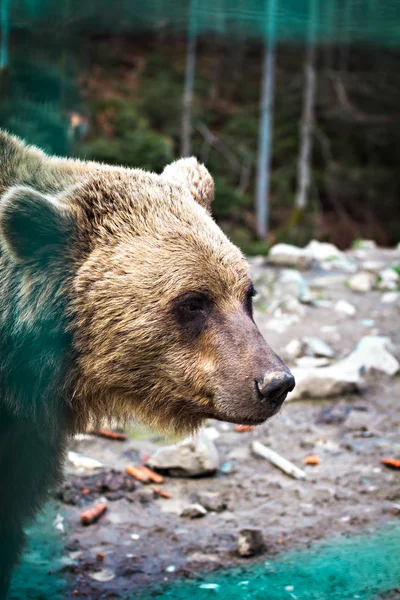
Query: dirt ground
(142, 540)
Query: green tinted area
(40, 577)
(361, 20)
(343, 569)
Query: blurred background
(293, 105)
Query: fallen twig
(161, 493)
(112, 435)
(392, 463)
(93, 514)
(278, 461)
(242, 428)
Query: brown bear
(119, 297)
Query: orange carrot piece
(112, 435)
(313, 459)
(93, 514)
(161, 493)
(242, 428)
(137, 473)
(152, 475)
(392, 463)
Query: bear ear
(33, 226)
(189, 172)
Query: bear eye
(251, 292)
(191, 310)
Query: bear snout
(274, 387)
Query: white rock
(329, 257)
(362, 282)
(289, 256)
(194, 511)
(293, 350)
(281, 324)
(83, 462)
(373, 266)
(324, 382)
(103, 575)
(345, 308)
(292, 283)
(192, 457)
(312, 361)
(388, 280)
(211, 433)
(372, 352)
(321, 251)
(316, 347)
(390, 297)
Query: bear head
(158, 301)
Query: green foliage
(133, 143)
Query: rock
(324, 382)
(373, 266)
(362, 282)
(293, 350)
(345, 308)
(84, 463)
(211, 501)
(373, 352)
(312, 361)
(192, 457)
(388, 280)
(103, 575)
(390, 297)
(281, 324)
(292, 283)
(290, 306)
(314, 346)
(329, 257)
(321, 251)
(250, 542)
(365, 244)
(286, 255)
(194, 511)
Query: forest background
(293, 105)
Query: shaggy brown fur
(119, 297)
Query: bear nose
(275, 386)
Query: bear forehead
(154, 231)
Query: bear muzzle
(274, 387)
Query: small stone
(390, 297)
(388, 280)
(362, 282)
(316, 347)
(103, 575)
(194, 511)
(211, 501)
(192, 457)
(250, 542)
(289, 256)
(293, 350)
(345, 308)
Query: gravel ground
(142, 539)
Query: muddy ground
(142, 540)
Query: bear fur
(119, 297)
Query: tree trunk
(189, 82)
(308, 117)
(266, 125)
